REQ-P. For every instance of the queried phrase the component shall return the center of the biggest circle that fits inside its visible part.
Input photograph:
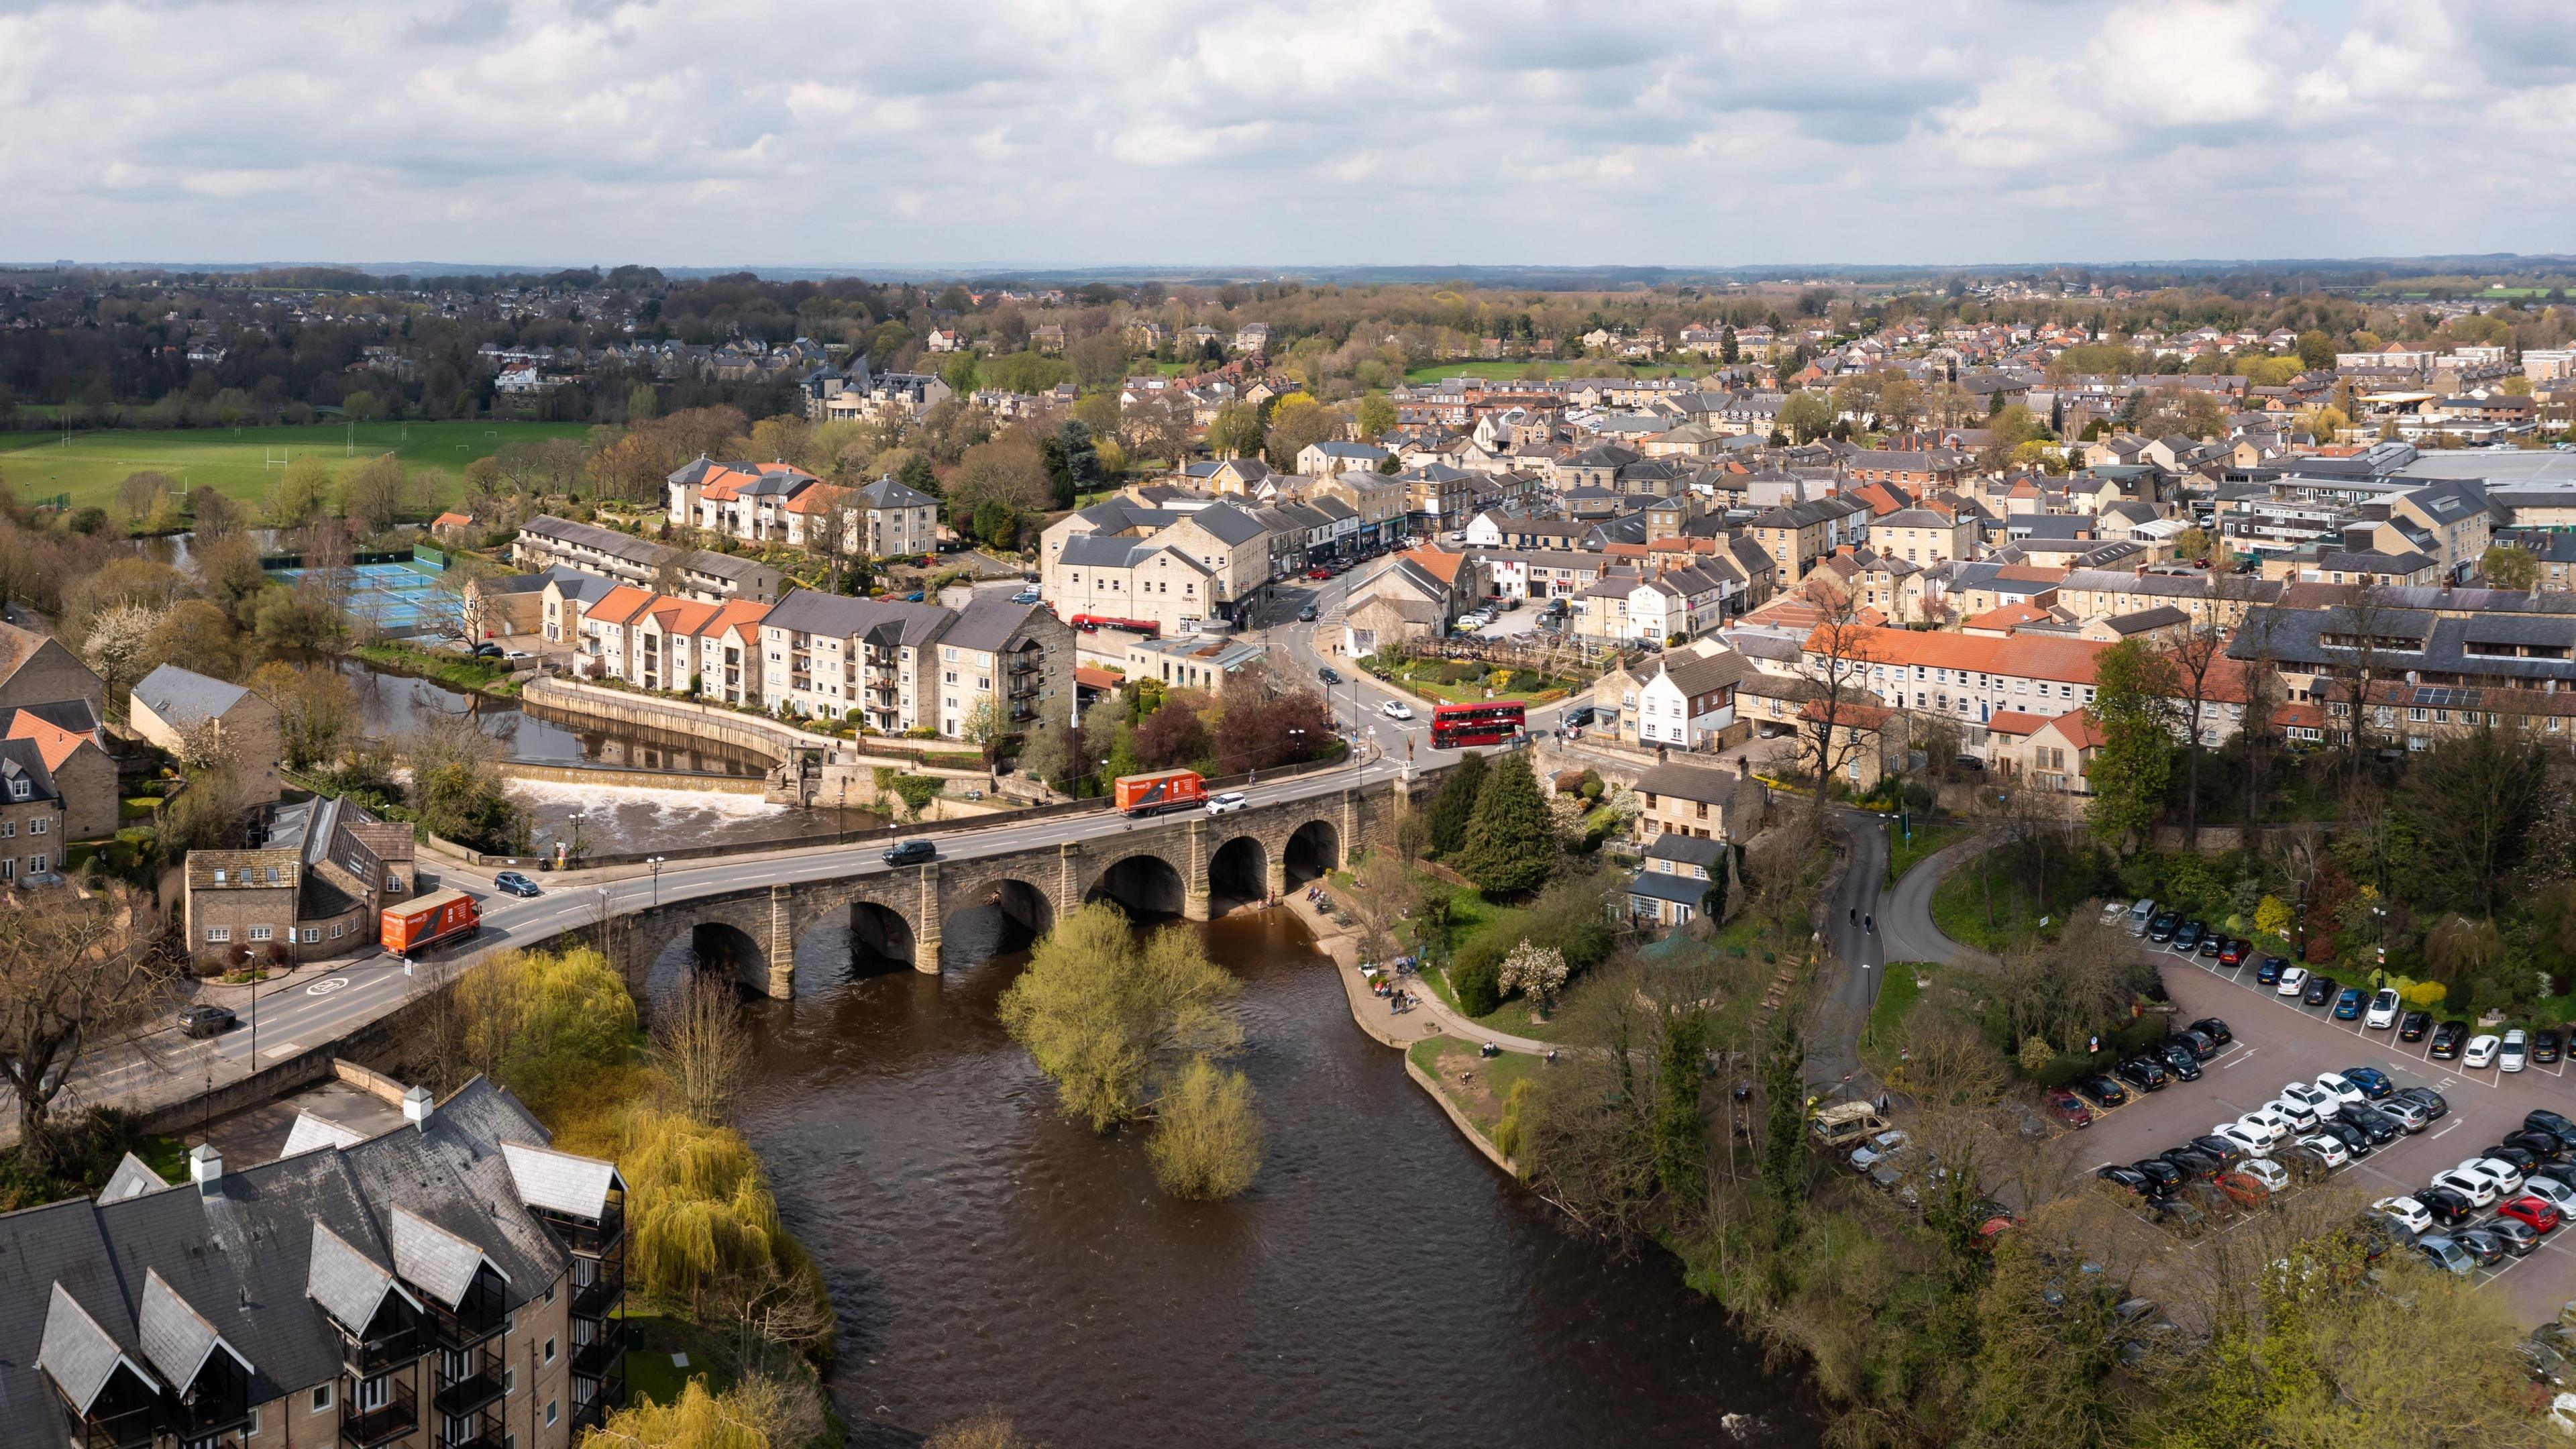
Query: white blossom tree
(1536, 972)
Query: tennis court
(388, 596)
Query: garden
(1466, 681)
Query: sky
(1177, 132)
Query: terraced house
(454, 1281)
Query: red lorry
(1160, 791)
(425, 921)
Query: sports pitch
(244, 462)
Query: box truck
(1160, 791)
(424, 921)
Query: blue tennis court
(386, 595)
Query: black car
(2547, 1121)
(2188, 938)
(487, 651)
(2227, 1153)
(2413, 1025)
(2431, 1101)
(2302, 1163)
(2377, 1127)
(2201, 1046)
(2128, 1177)
(2321, 989)
(2143, 1074)
(2546, 1045)
(2449, 1208)
(1328, 675)
(2524, 1160)
(2543, 1146)
(2214, 1029)
(905, 852)
(2197, 1165)
(2270, 968)
(2101, 1091)
(2162, 928)
(2481, 1244)
(2212, 945)
(2179, 1061)
(206, 1021)
(515, 883)
(2446, 1041)
(2182, 1217)
(2164, 1175)
(2354, 1139)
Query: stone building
(171, 704)
(310, 889)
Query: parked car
(2195, 1041)
(2145, 1075)
(2436, 1106)
(2197, 1165)
(2253, 1142)
(2164, 1176)
(2447, 1040)
(2187, 939)
(2409, 1116)
(2383, 1009)
(2370, 1081)
(2102, 1092)
(2406, 1212)
(2545, 1046)
(2127, 1177)
(2269, 969)
(2320, 1102)
(2162, 928)
(2533, 1212)
(2348, 1004)
(2471, 1185)
(2068, 1108)
(2413, 1025)
(2481, 1052)
(2448, 1208)
(2551, 1191)
(2178, 1059)
(2264, 1170)
(1877, 1150)
(2376, 1127)
(2355, 1141)
(2292, 982)
(2515, 1050)
(907, 852)
(2301, 1117)
(2232, 955)
(2211, 946)
(2543, 1146)
(2446, 1254)
(206, 1020)
(2244, 1189)
(1227, 803)
(2321, 989)
(2522, 1160)
(2228, 1153)
(2485, 1246)
(2328, 1148)
(2215, 1029)
(2267, 1120)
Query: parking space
(2279, 1041)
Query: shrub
(1476, 976)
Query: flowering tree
(1537, 972)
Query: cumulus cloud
(1038, 131)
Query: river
(609, 819)
(1381, 1283)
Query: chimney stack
(417, 1108)
(206, 1168)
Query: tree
(1536, 972)
(1236, 431)
(1052, 751)
(1840, 651)
(76, 974)
(1296, 422)
(2134, 688)
(2316, 349)
(457, 787)
(317, 711)
(303, 491)
(701, 1048)
(1805, 417)
(371, 494)
(195, 635)
(2193, 544)
(2510, 566)
(119, 647)
(1081, 467)
(2199, 658)
(1384, 891)
(1008, 472)
(1102, 1014)
(1455, 804)
(212, 515)
(1375, 417)
(1207, 1141)
(1173, 735)
(2192, 412)
(2474, 800)
(1508, 847)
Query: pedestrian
(1882, 1104)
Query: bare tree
(1840, 651)
(701, 1046)
(2199, 663)
(75, 972)
(2364, 613)
(2258, 657)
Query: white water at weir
(617, 819)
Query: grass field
(239, 462)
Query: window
(550, 1350)
(219, 934)
(336, 928)
(37, 826)
(322, 1399)
(312, 934)
(18, 789)
(258, 933)
(219, 877)
(550, 1413)
(374, 1393)
(250, 1430)
(510, 1381)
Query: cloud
(1269, 132)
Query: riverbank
(465, 676)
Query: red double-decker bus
(1454, 725)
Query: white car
(2384, 1007)
(2255, 1144)
(2301, 1117)
(2406, 1212)
(2553, 1192)
(2275, 1128)
(2514, 1052)
(2483, 1170)
(2471, 1185)
(1396, 709)
(518, 654)
(2293, 981)
(2264, 1170)
(1877, 1150)
(2481, 1052)
(2319, 1100)
(1227, 803)
(2508, 1178)
(2329, 1150)
(2343, 1091)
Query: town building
(895, 666)
(546, 541)
(174, 708)
(310, 886)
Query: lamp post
(656, 864)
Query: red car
(2233, 955)
(2531, 1212)
(1319, 573)
(2069, 1108)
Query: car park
(2102, 1092)
(2321, 989)
(2383, 1009)
(2371, 1082)
(2348, 1004)
(2182, 1217)
(2545, 1044)
(2214, 1029)
(2068, 1108)
(515, 883)
(2162, 928)
(2406, 1212)
(2413, 1025)
(2513, 1051)
(2532, 1211)
(2481, 1052)
(204, 1020)
(2447, 1038)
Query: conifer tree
(1455, 803)
(1509, 846)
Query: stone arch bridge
(1190, 864)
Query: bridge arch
(1142, 884)
(1238, 874)
(1313, 849)
(1023, 910)
(880, 938)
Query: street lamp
(656, 863)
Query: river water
(1380, 1284)
(605, 819)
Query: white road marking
(326, 986)
(2445, 1132)
(281, 1049)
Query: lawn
(1897, 993)
(245, 462)
(650, 1374)
(453, 670)
(1903, 855)
(1481, 1097)
(1478, 694)
(1959, 905)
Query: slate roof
(1690, 782)
(1681, 890)
(839, 617)
(1674, 846)
(77, 1351)
(131, 1179)
(182, 697)
(349, 1285)
(987, 624)
(887, 493)
(176, 1339)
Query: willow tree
(1106, 1015)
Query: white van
(2139, 914)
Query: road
(1855, 958)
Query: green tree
(1105, 1015)
(997, 523)
(2474, 799)
(1207, 1138)
(1509, 847)
(371, 494)
(1375, 417)
(2134, 689)
(959, 374)
(2510, 566)
(2316, 349)
(1235, 432)
(1296, 422)
(916, 473)
(1080, 470)
(2192, 543)
(1804, 417)
(1455, 804)
(303, 491)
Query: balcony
(594, 1299)
(587, 1238)
(365, 1429)
(367, 1357)
(599, 1357)
(131, 1429)
(467, 1392)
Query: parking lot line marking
(2438, 1136)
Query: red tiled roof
(53, 742)
(2071, 660)
(1442, 566)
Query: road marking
(2241, 1057)
(279, 1050)
(326, 986)
(2445, 1132)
